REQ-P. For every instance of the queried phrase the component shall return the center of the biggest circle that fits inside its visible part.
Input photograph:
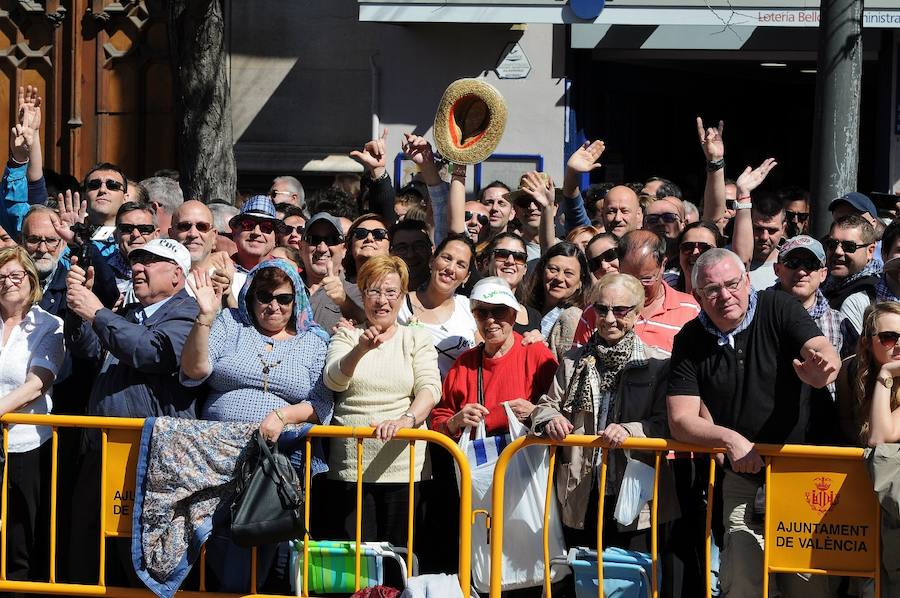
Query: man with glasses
(852, 273)
(795, 202)
(736, 376)
(665, 217)
(253, 232)
(288, 189)
(135, 226)
(477, 221)
(665, 310)
(861, 205)
(192, 226)
(330, 295)
(138, 353)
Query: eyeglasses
(619, 311)
(482, 219)
(389, 294)
(266, 227)
(802, 263)
(667, 218)
(495, 313)
(848, 246)
(145, 258)
(142, 229)
(799, 216)
(405, 248)
(184, 226)
(888, 339)
(379, 234)
(15, 277)
(288, 230)
(330, 240)
(111, 184)
(690, 246)
(608, 256)
(265, 298)
(274, 194)
(715, 290)
(51, 242)
(501, 255)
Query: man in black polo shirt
(736, 380)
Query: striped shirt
(657, 329)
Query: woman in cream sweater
(386, 376)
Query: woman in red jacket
(510, 372)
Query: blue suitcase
(626, 573)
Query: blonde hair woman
(868, 386)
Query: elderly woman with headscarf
(613, 387)
(262, 361)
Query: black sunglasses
(482, 219)
(501, 255)
(690, 246)
(619, 311)
(265, 298)
(800, 216)
(266, 227)
(495, 313)
(184, 226)
(111, 184)
(802, 263)
(888, 339)
(143, 229)
(379, 234)
(330, 240)
(288, 230)
(610, 255)
(848, 246)
(667, 217)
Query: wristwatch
(410, 415)
(714, 165)
(887, 381)
(742, 205)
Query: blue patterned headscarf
(303, 314)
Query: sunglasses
(848, 246)
(143, 229)
(185, 226)
(608, 256)
(802, 263)
(330, 240)
(501, 255)
(667, 218)
(619, 311)
(495, 313)
(482, 219)
(288, 230)
(690, 246)
(111, 184)
(266, 227)
(888, 339)
(265, 298)
(145, 258)
(799, 216)
(379, 234)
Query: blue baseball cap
(858, 201)
(258, 206)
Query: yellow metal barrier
(824, 494)
(120, 440)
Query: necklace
(266, 369)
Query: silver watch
(410, 415)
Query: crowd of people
(617, 310)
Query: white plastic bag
(525, 488)
(635, 492)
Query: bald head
(644, 256)
(192, 226)
(621, 211)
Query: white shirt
(36, 342)
(453, 337)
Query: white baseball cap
(169, 249)
(495, 291)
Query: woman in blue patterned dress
(262, 362)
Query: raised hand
(750, 179)
(539, 189)
(333, 286)
(418, 149)
(711, 140)
(205, 293)
(373, 155)
(585, 158)
(28, 100)
(78, 277)
(72, 209)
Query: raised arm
(29, 103)
(195, 355)
(713, 146)
(373, 157)
(584, 160)
(456, 201)
(750, 179)
(418, 149)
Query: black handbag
(268, 503)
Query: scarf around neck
(598, 370)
